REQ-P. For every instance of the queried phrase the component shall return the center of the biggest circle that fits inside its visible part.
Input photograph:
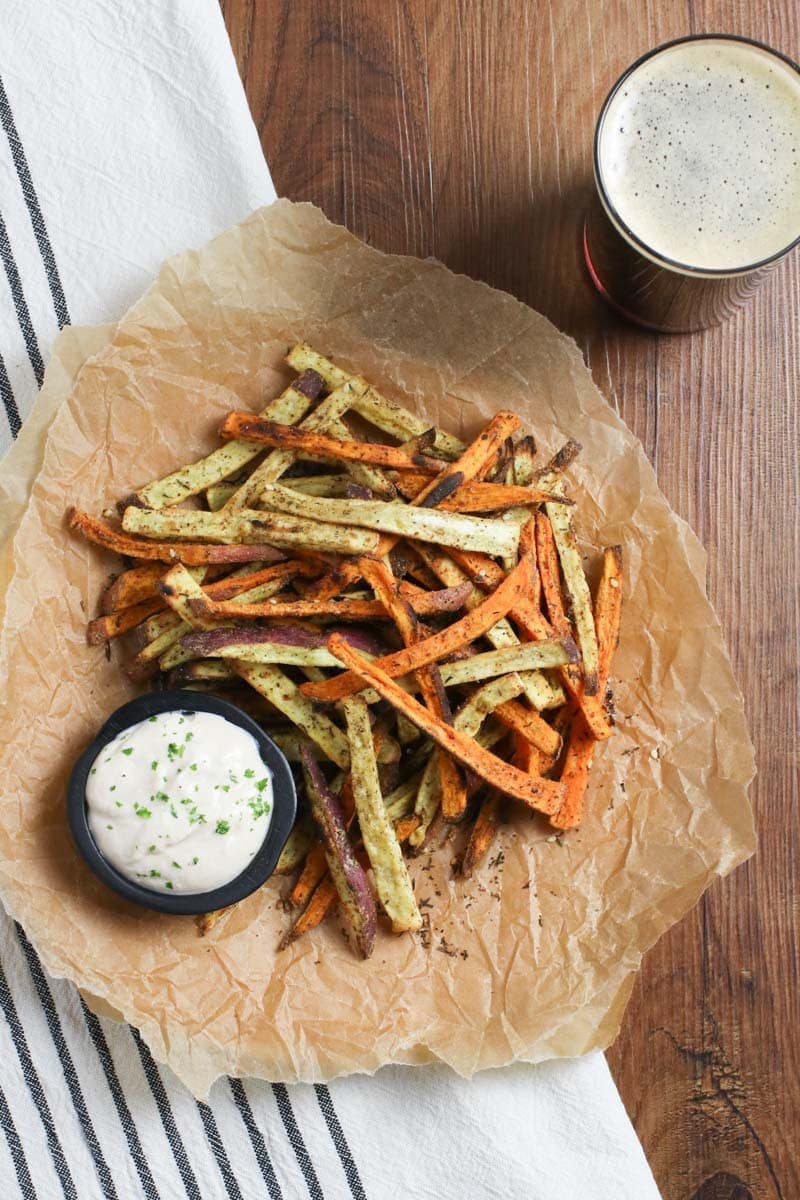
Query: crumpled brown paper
(533, 958)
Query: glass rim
(661, 259)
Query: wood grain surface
(462, 129)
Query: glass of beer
(697, 173)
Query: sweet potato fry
(102, 629)
(429, 680)
(102, 534)
(246, 525)
(476, 497)
(482, 833)
(304, 442)
(356, 902)
(314, 868)
(399, 520)
(479, 455)
(392, 880)
(542, 795)
(423, 603)
(580, 744)
(323, 901)
(441, 644)
(577, 589)
(131, 587)
(528, 723)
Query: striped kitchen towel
(126, 137)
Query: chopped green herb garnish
(262, 784)
(259, 808)
(152, 718)
(249, 773)
(141, 811)
(154, 765)
(169, 887)
(113, 787)
(173, 811)
(154, 874)
(188, 737)
(118, 803)
(93, 771)
(177, 865)
(128, 750)
(193, 767)
(195, 861)
(109, 826)
(226, 787)
(174, 750)
(151, 849)
(162, 796)
(222, 827)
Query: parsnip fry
(289, 407)
(392, 880)
(542, 795)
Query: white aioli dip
(180, 802)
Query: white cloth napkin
(125, 137)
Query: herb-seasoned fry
(542, 795)
(109, 538)
(356, 901)
(392, 880)
(427, 525)
(434, 648)
(304, 442)
(578, 590)
(246, 525)
(429, 680)
(388, 415)
(580, 744)
(434, 602)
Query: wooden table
(462, 129)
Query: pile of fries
(408, 618)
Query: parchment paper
(535, 957)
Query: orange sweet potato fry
(477, 496)
(530, 725)
(441, 644)
(482, 834)
(191, 554)
(384, 585)
(539, 794)
(102, 629)
(307, 442)
(343, 609)
(581, 743)
(131, 587)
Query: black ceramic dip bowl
(258, 870)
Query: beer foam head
(699, 154)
